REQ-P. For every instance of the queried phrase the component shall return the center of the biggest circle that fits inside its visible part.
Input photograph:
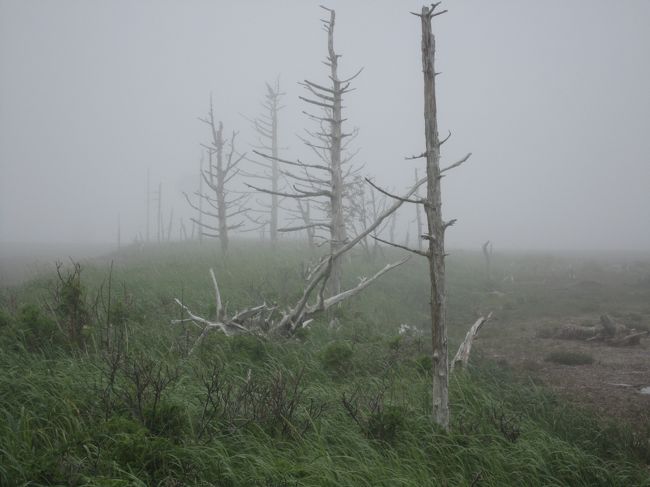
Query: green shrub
(167, 419)
(568, 357)
(337, 358)
(6, 321)
(386, 424)
(424, 364)
(37, 330)
(250, 347)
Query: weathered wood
(436, 228)
(222, 167)
(324, 192)
(462, 355)
(418, 217)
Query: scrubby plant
(38, 331)
(337, 358)
(70, 304)
(376, 417)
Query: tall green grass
(57, 426)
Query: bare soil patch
(610, 386)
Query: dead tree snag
(218, 204)
(323, 184)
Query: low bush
(337, 358)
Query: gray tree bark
(436, 228)
(325, 180)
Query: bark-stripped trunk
(200, 210)
(306, 218)
(221, 169)
(148, 206)
(418, 218)
(217, 181)
(275, 172)
(436, 230)
(337, 230)
(159, 218)
(326, 179)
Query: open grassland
(345, 402)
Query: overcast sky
(552, 98)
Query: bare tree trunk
(338, 235)
(273, 97)
(182, 232)
(436, 229)
(267, 127)
(304, 212)
(326, 141)
(418, 218)
(160, 218)
(148, 204)
(487, 254)
(220, 187)
(221, 169)
(200, 215)
(169, 225)
(391, 230)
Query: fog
(551, 98)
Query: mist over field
(284, 244)
(551, 98)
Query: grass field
(344, 403)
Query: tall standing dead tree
(329, 178)
(220, 206)
(365, 207)
(436, 226)
(266, 128)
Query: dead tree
(418, 218)
(325, 182)
(268, 319)
(266, 128)
(148, 205)
(200, 210)
(365, 207)
(487, 255)
(220, 206)
(159, 217)
(436, 226)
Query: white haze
(552, 98)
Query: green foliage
(243, 411)
(337, 358)
(70, 304)
(167, 419)
(424, 364)
(37, 331)
(249, 348)
(386, 424)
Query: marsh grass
(277, 417)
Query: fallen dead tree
(607, 331)
(271, 319)
(266, 319)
